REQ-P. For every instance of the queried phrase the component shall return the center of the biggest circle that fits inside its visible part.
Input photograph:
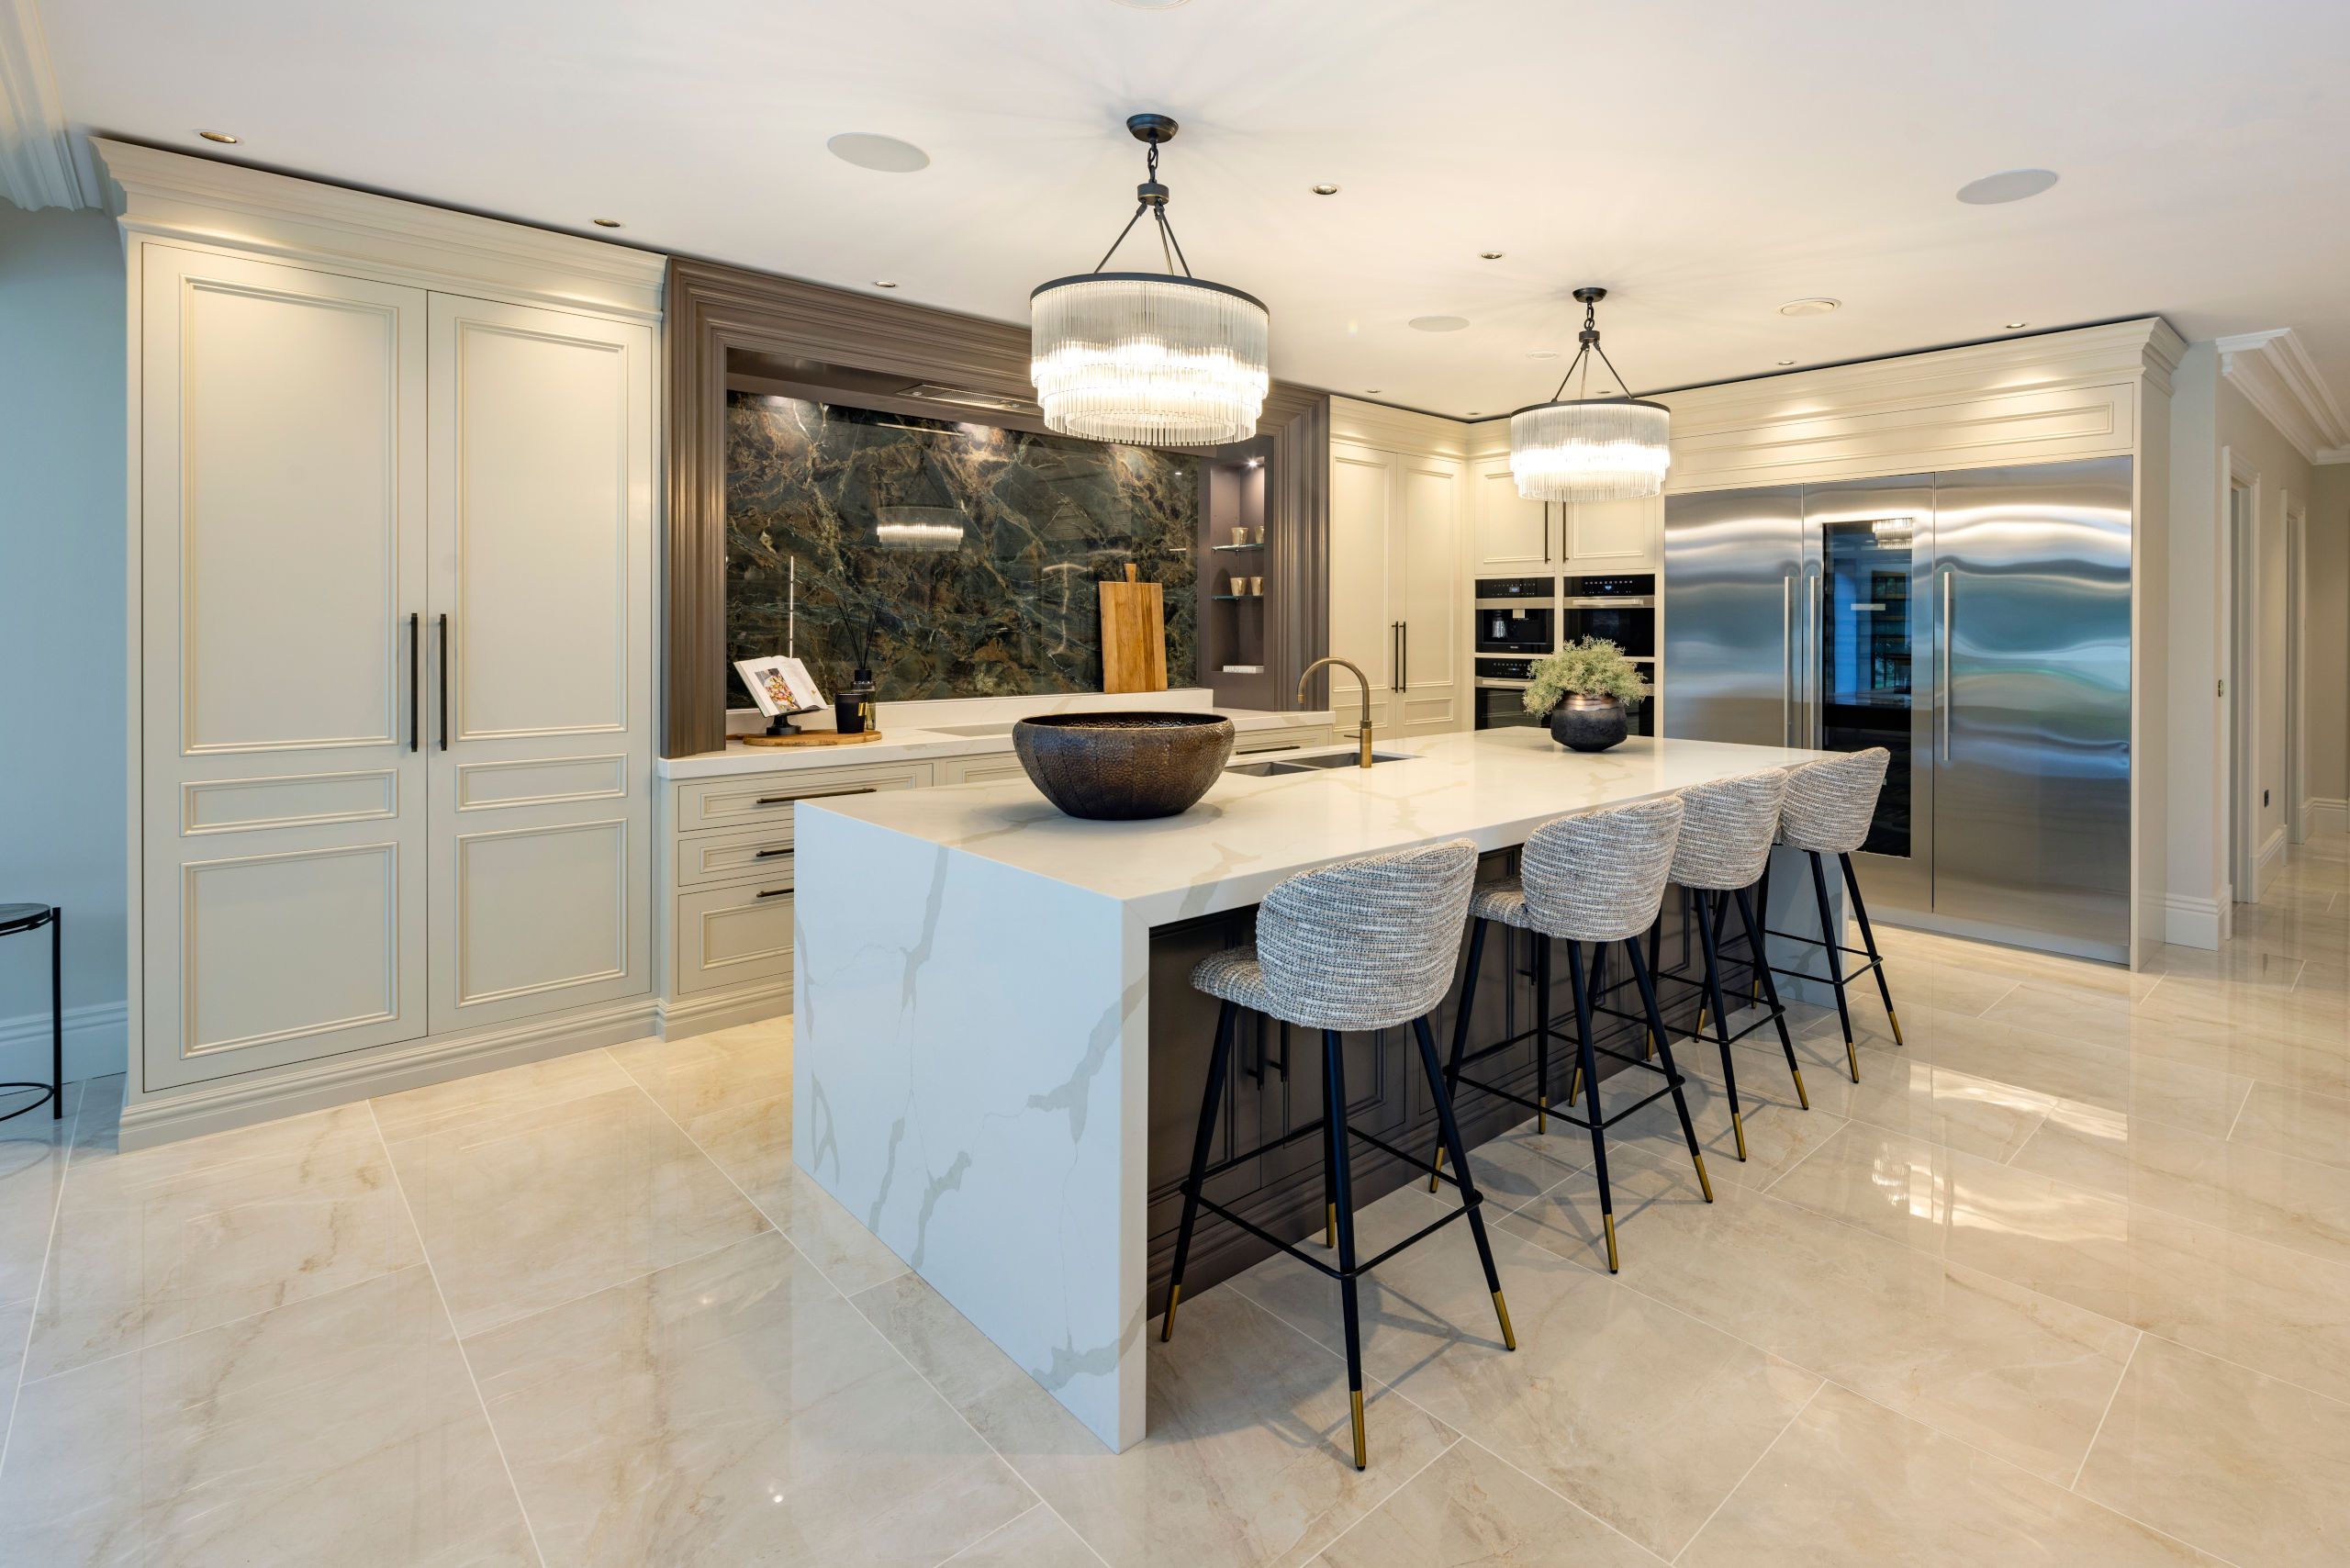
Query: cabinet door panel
(1425, 585)
(541, 545)
(1362, 624)
(1608, 533)
(282, 502)
(1512, 534)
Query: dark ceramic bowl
(1123, 767)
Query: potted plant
(1583, 689)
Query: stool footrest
(1311, 1262)
(1569, 1118)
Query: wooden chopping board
(1134, 634)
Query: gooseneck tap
(1362, 685)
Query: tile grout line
(849, 1300)
(464, 1357)
(2229, 1135)
(1696, 1535)
(40, 1285)
(1504, 1461)
(1324, 1549)
(2103, 1416)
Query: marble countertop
(910, 743)
(1493, 785)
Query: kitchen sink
(1313, 764)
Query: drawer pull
(775, 892)
(769, 854)
(818, 795)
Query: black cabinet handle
(415, 681)
(1546, 533)
(1405, 683)
(818, 795)
(775, 893)
(444, 683)
(769, 854)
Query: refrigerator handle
(1787, 661)
(1942, 678)
(1812, 597)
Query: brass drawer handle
(769, 854)
(819, 795)
(775, 893)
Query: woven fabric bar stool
(1829, 806)
(1596, 877)
(1366, 944)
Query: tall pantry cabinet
(392, 483)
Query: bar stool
(15, 917)
(1598, 878)
(1366, 944)
(1727, 828)
(1829, 806)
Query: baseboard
(2325, 816)
(259, 1097)
(95, 1043)
(2190, 922)
(683, 1017)
(2270, 860)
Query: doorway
(2239, 688)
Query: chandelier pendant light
(1153, 359)
(1589, 449)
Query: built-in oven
(1500, 701)
(1620, 607)
(1517, 615)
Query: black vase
(1587, 723)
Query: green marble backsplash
(952, 560)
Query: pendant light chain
(1612, 447)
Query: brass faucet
(1362, 685)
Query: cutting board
(1134, 634)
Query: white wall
(2327, 769)
(2287, 480)
(61, 635)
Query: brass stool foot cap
(1853, 1060)
(1330, 1224)
(1542, 1116)
(1439, 1165)
(1895, 1018)
(1362, 1460)
(1738, 1125)
(1609, 1221)
(1501, 1310)
(1166, 1323)
(1801, 1097)
(1705, 1182)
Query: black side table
(15, 917)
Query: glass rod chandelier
(1153, 359)
(1589, 449)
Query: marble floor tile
(1854, 1483)
(732, 1408)
(2278, 1311)
(493, 1096)
(165, 1241)
(341, 1429)
(2242, 1465)
(540, 1204)
(2020, 1373)
(2243, 1187)
(1778, 1135)
(32, 1174)
(1037, 1538)
(1640, 1415)
(16, 1324)
(2296, 1122)
(1516, 1166)
(1469, 1508)
(1247, 1459)
(1911, 1093)
(701, 1073)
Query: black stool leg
(57, 1013)
(1587, 1069)
(1226, 1026)
(1868, 940)
(1671, 1073)
(1596, 989)
(1762, 960)
(1771, 993)
(1543, 1027)
(1449, 1130)
(1334, 1131)
(1461, 1027)
(1832, 937)
(1709, 939)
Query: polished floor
(2066, 1280)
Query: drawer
(749, 798)
(738, 936)
(1275, 740)
(979, 769)
(729, 854)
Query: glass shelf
(1240, 598)
(1260, 546)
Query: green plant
(1593, 667)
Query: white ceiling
(1706, 161)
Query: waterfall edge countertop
(972, 976)
(907, 741)
(1493, 785)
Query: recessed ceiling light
(220, 136)
(885, 153)
(1818, 307)
(1541, 353)
(2008, 185)
(1785, 362)
(1326, 190)
(883, 283)
(1489, 255)
(2017, 326)
(1436, 323)
(1371, 391)
(605, 222)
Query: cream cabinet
(1514, 537)
(1394, 577)
(1612, 536)
(391, 544)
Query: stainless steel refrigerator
(1976, 624)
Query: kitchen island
(978, 981)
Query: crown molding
(207, 201)
(38, 167)
(2276, 375)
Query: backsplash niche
(951, 559)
